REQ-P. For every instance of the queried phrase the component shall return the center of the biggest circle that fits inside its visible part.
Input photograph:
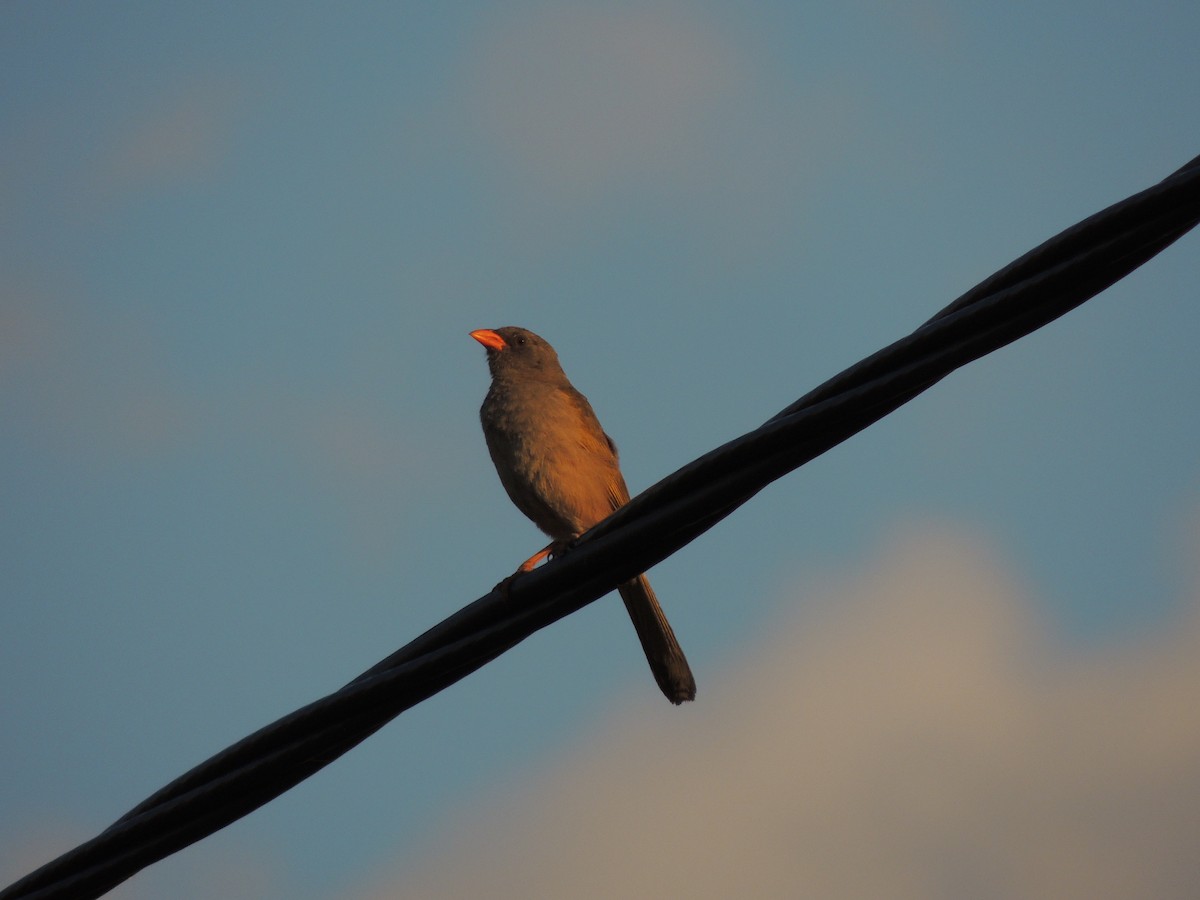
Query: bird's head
(513, 351)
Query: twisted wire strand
(1030, 292)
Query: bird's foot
(561, 548)
(552, 550)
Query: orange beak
(489, 339)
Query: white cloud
(917, 736)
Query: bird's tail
(667, 662)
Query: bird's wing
(596, 442)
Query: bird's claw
(560, 548)
(553, 550)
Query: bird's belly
(554, 483)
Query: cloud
(86, 382)
(95, 382)
(914, 734)
(225, 867)
(581, 94)
(185, 133)
(579, 102)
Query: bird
(561, 470)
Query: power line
(1042, 285)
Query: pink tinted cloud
(85, 383)
(576, 108)
(581, 94)
(185, 133)
(915, 734)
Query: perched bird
(560, 469)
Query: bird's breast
(548, 460)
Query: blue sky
(240, 252)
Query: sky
(241, 247)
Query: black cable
(1039, 287)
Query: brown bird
(560, 469)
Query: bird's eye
(520, 340)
